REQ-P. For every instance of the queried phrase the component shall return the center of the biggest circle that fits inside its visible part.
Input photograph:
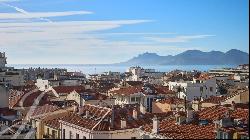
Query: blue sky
(110, 31)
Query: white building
(134, 95)
(105, 76)
(42, 84)
(195, 89)
(137, 74)
(228, 72)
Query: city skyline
(97, 32)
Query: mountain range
(191, 57)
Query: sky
(111, 31)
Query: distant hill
(191, 57)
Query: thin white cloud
(138, 33)
(16, 8)
(40, 14)
(43, 16)
(21, 11)
(177, 39)
(12, 34)
(74, 23)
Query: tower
(3, 61)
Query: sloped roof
(68, 89)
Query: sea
(100, 68)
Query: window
(47, 131)
(133, 137)
(132, 99)
(244, 137)
(58, 135)
(225, 135)
(53, 134)
(211, 89)
(201, 89)
(70, 135)
(83, 137)
(77, 136)
(63, 134)
(221, 135)
(137, 99)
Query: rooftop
(68, 89)
(170, 129)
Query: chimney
(135, 114)
(75, 108)
(190, 115)
(216, 124)
(123, 123)
(80, 111)
(142, 109)
(155, 125)
(180, 119)
(233, 105)
(87, 114)
(196, 104)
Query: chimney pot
(155, 125)
(75, 108)
(233, 105)
(142, 109)
(190, 115)
(135, 114)
(123, 123)
(87, 114)
(80, 111)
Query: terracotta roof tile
(215, 112)
(30, 99)
(134, 83)
(96, 113)
(68, 89)
(163, 90)
(44, 109)
(170, 129)
(172, 100)
(128, 90)
(54, 122)
(214, 99)
(7, 112)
